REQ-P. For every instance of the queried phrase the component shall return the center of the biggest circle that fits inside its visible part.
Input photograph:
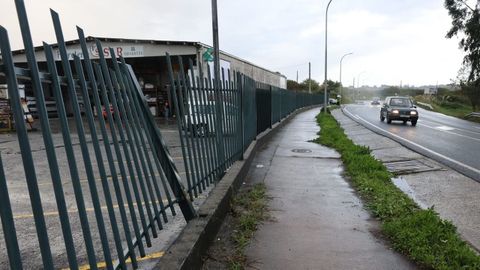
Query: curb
(193, 242)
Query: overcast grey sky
(392, 41)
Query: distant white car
(333, 101)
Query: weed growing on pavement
(420, 234)
(249, 210)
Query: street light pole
(309, 78)
(341, 87)
(326, 36)
(341, 60)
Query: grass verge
(455, 109)
(420, 234)
(249, 209)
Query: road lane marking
(73, 211)
(90, 209)
(85, 180)
(445, 128)
(420, 146)
(102, 265)
(450, 132)
(436, 122)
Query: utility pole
(353, 89)
(297, 76)
(309, 78)
(217, 82)
(216, 50)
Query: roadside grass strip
(420, 234)
(249, 209)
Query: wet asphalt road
(451, 141)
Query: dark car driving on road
(399, 108)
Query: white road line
(450, 132)
(432, 121)
(445, 128)
(419, 146)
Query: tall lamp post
(341, 60)
(326, 36)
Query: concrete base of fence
(193, 242)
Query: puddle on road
(405, 187)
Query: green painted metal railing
(129, 174)
(217, 125)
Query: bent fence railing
(122, 184)
(96, 193)
(212, 141)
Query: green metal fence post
(8, 225)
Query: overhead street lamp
(341, 87)
(326, 35)
(341, 60)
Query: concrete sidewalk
(317, 221)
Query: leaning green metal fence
(146, 186)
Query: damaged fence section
(110, 201)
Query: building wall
(127, 50)
(142, 49)
(257, 73)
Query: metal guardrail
(425, 105)
(473, 114)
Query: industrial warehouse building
(148, 59)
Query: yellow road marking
(84, 180)
(72, 211)
(90, 209)
(102, 265)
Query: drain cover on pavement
(302, 151)
(410, 166)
